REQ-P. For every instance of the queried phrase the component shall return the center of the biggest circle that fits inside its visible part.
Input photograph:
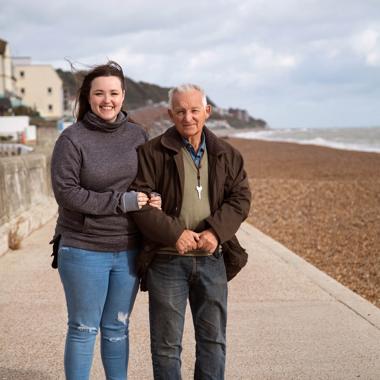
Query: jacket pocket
(235, 257)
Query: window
(50, 107)
(22, 74)
(49, 90)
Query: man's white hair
(184, 88)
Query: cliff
(147, 104)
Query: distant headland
(147, 104)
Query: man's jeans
(100, 289)
(171, 281)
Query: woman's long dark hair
(110, 69)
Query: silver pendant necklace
(199, 186)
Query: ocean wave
(305, 137)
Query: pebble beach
(321, 203)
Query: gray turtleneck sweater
(93, 165)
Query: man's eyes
(182, 112)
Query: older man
(205, 198)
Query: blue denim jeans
(100, 289)
(171, 281)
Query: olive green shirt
(194, 208)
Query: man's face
(189, 113)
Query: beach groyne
(26, 200)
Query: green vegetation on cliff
(142, 94)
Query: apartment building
(40, 87)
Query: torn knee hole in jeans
(88, 329)
(115, 339)
(123, 317)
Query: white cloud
(265, 58)
(284, 60)
(367, 44)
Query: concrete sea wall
(26, 200)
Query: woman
(94, 162)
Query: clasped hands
(154, 200)
(190, 240)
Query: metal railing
(9, 149)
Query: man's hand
(155, 200)
(187, 242)
(208, 241)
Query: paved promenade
(287, 320)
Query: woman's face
(106, 97)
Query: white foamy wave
(260, 135)
(336, 145)
(357, 139)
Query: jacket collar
(172, 140)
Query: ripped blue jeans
(100, 289)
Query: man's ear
(208, 111)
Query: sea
(364, 139)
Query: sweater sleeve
(65, 173)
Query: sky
(293, 63)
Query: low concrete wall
(26, 200)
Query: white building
(40, 87)
(8, 87)
(17, 129)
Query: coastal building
(8, 88)
(39, 87)
(240, 114)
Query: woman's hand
(155, 200)
(142, 199)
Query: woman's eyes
(101, 93)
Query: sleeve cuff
(129, 201)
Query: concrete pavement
(287, 320)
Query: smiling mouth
(106, 108)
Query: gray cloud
(291, 62)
